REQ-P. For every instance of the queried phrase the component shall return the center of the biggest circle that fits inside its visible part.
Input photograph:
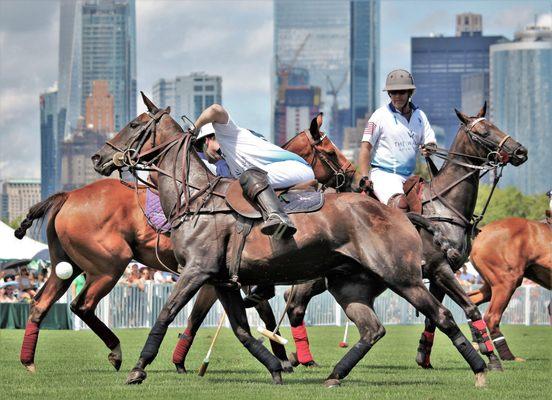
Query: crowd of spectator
(138, 275)
(21, 285)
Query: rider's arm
(364, 158)
(215, 113)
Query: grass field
(73, 365)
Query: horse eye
(485, 134)
(134, 125)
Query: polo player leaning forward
(391, 140)
(260, 166)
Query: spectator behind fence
(26, 285)
(133, 279)
(7, 292)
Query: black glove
(365, 185)
(429, 148)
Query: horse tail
(37, 212)
(439, 238)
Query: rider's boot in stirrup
(398, 200)
(258, 293)
(256, 188)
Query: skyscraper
(188, 95)
(323, 37)
(50, 143)
(438, 65)
(108, 52)
(69, 65)
(521, 103)
(99, 108)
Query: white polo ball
(64, 270)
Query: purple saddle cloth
(154, 213)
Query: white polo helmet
(206, 130)
(399, 79)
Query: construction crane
(334, 91)
(285, 69)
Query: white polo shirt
(395, 140)
(243, 149)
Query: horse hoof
(286, 366)
(311, 364)
(180, 368)
(136, 376)
(30, 367)
(481, 380)
(293, 359)
(331, 383)
(519, 359)
(116, 357)
(277, 378)
(494, 364)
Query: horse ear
(152, 108)
(483, 111)
(315, 125)
(168, 109)
(461, 116)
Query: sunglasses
(397, 92)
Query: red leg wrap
(481, 326)
(428, 336)
(182, 347)
(29, 343)
(302, 343)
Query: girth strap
(243, 228)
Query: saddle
(302, 198)
(413, 189)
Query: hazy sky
(175, 37)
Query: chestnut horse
(504, 252)
(99, 229)
(359, 245)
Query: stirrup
(284, 229)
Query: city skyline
(168, 47)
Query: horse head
(488, 142)
(130, 143)
(330, 166)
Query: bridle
(342, 173)
(495, 160)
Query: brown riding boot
(256, 188)
(398, 200)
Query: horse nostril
(96, 158)
(521, 152)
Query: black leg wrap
(348, 362)
(468, 352)
(262, 354)
(153, 343)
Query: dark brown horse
(99, 229)
(358, 244)
(505, 252)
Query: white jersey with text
(395, 140)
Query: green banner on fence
(15, 315)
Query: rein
(490, 164)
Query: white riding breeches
(386, 184)
(284, 174)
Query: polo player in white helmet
(391, 140)
(261, 166)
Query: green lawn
(73, 365)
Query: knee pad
(398, 200)
(253, 181)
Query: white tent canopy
(13, 248)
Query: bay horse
(99, 229)
(504, 252)
(357, 243)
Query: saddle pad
(301, 202)
(154, 213)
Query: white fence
(130, 307)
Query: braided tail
(40, 210)
(439, 238)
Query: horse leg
(205, 299)
(357, 299)
(84, 306)
(267, 315)
(428, 335)
(51, 292)
(417, 295)
(302, 294)
(235, 309)
(500, 298)
(449, 284)
(189, 282)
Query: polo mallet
(272, 335)
(205, 364)
(344, 342)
